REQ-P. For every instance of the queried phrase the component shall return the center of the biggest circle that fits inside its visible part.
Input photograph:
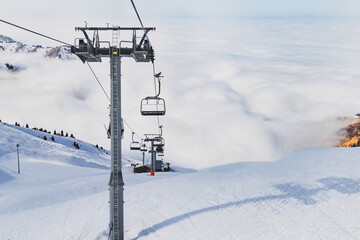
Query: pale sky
(183, 8)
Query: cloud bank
(236, 90)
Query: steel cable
(26, 29)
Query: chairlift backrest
(143, 148)
(159, 149)
(135, 146)
(152, 106)
(160, 143)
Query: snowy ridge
(8, 44)
(310, 194)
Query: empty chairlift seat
(135, 146)
(152, 106)
(143, 148)
(160, 142)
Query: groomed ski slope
(62, 194)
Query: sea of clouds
(236, 89)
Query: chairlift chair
(153, 106)
(160, 143)
(134, 145)
(159, 149)
(143, 148)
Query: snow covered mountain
(9, 45)
(62, 193)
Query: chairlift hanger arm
(158, 76)
(159, 87)
(132, 137)
(161, 127)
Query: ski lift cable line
(37, 33)
(98, 82)
(142, 25)
(154, 73)
(132, 129)
(138, 16)
(97, 79)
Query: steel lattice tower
(92, 51)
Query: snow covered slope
(62, 194)
(62, 149)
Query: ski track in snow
(62, 193)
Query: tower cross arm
(147, 29)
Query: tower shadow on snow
(290, 190)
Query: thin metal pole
(143, 158)
(17, 150)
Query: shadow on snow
(290, 190)
(5, 177)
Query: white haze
(236, 90)
(180, 8)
